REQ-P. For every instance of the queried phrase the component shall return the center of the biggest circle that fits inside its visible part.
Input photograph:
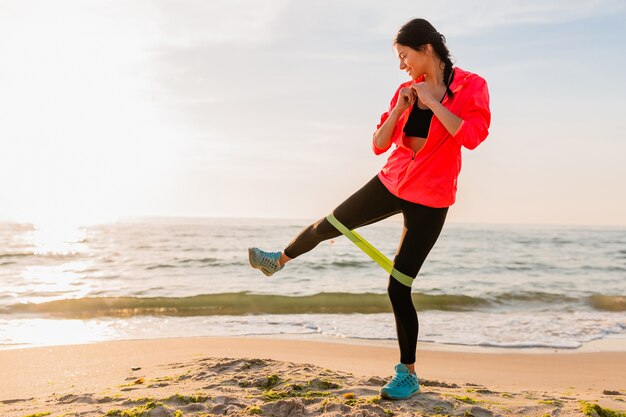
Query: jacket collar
(461, 78)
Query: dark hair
(419, 32)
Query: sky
(242, 108)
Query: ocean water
(482, 285)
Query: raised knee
(323, 230)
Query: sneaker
(267, 262)
(402, 385)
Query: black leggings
(422, 226)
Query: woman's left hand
(423, 93)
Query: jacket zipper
(408, 168)
(406, 172)
(415, 153)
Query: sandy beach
(208, 376)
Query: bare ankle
(411, 368)
(283, 259)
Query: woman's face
(411, 60)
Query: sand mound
(242, 387)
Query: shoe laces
(270, 259)
(402, 380)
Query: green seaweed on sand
(142, 400)
(139, 411)
(188, 399)
(178, 413)
(465, 399)
(555, 403)
(272, 395)
(253, 409)
(272, 381)
(325, 384)
(594, 410)
(45, 413)
(314, 388)
(370, 400)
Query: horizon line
(130, 218)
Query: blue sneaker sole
(391, 397)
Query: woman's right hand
(406, 98)
(382, 137)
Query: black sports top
(418, 123)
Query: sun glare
(58, 332)
(50, 283)
(58, 239)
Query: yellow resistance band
(370, 251)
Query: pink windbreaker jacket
(430, 176)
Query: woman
(430, 117)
